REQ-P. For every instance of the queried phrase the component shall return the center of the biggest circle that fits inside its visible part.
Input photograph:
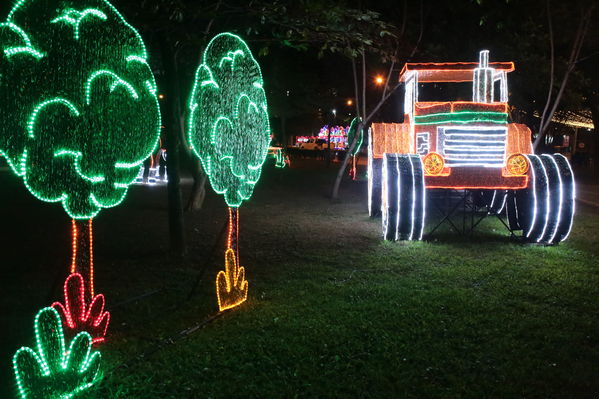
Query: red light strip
(74, 245)
(478, 187)
(75, 248)
(229, 238)
(91, 258)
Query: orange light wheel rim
(517, 164)
(433, 163)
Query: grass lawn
(333, 311)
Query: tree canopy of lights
(79, 108)
(52, 370)
(228, 126)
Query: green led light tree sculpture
(79, 109)
(228, 129)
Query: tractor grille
(473, 146)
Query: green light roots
(53, 371)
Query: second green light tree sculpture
(229, 130)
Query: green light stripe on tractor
(461, 117)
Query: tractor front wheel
(402, 197)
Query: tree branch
(363, 83)
(421, 32)
(583, 27)
(356, 88)
(552, 47)
(390, 71)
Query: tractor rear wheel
(375, 169)
(544, 210)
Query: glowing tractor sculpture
(466, 145)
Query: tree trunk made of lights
(82, 260)
(233, 232)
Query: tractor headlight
(433, 163)
(517, 165)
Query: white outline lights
(551, 177)
(423, 145)
(533, 181)
(384, 197)
(413, 199)
(483, 80)
(561, 198)
(547, 200)
(503, 202)
(572, 193)
(370, 172)
(467, 146)
(423, 200)
(409, 208)
(397, 219)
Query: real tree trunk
(583, 27)
(198, 191)
(283, 131)
(595, 145)
(82, 255)
(172, 122)
(329, 147)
